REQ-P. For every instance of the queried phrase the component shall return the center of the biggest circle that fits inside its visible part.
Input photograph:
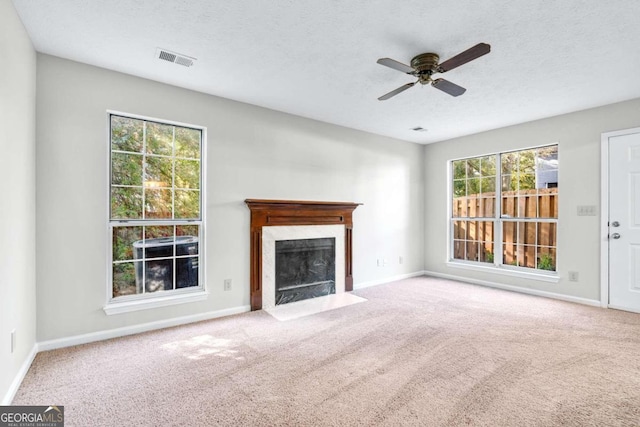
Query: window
(155, 217)
(505, 209)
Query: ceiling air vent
(176, 58)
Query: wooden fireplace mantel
(295, 212)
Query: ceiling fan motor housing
(425, 65)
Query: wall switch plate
(573, 276)
(400, 260)
(587, 210)
(227, 284)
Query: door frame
(604, 210)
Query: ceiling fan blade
(396, 91)
(392, 63)
(462, 58)
(447, 87)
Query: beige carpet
(421, 352)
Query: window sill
(145, 304)
(553, 278)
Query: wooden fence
(525, 243)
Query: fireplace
(277, 221)
(305, 268)
(273, 235)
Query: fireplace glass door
(305, 268)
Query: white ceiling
(317, 58)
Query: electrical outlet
(400, 260)
(573, 276)
(13, 340)
(227, 284)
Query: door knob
(615, 224)
(615, 236)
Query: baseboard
(528, 291)
(15, 385)
(387, 280)
(136, 329)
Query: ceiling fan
(425, 65)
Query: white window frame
(129, 303)
(497, 266)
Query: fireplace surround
(277, 215)
(271, 235)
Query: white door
(624, 221)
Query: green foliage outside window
(155, 187)
(546, 262)
(155, 170)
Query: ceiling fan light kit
(425, 65)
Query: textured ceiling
(317, 58)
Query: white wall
(252, 153)
(17, 203)
(578, 135)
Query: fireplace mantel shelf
(293, 204)
(266, 213)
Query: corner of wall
(17, 225)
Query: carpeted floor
(421, 352)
